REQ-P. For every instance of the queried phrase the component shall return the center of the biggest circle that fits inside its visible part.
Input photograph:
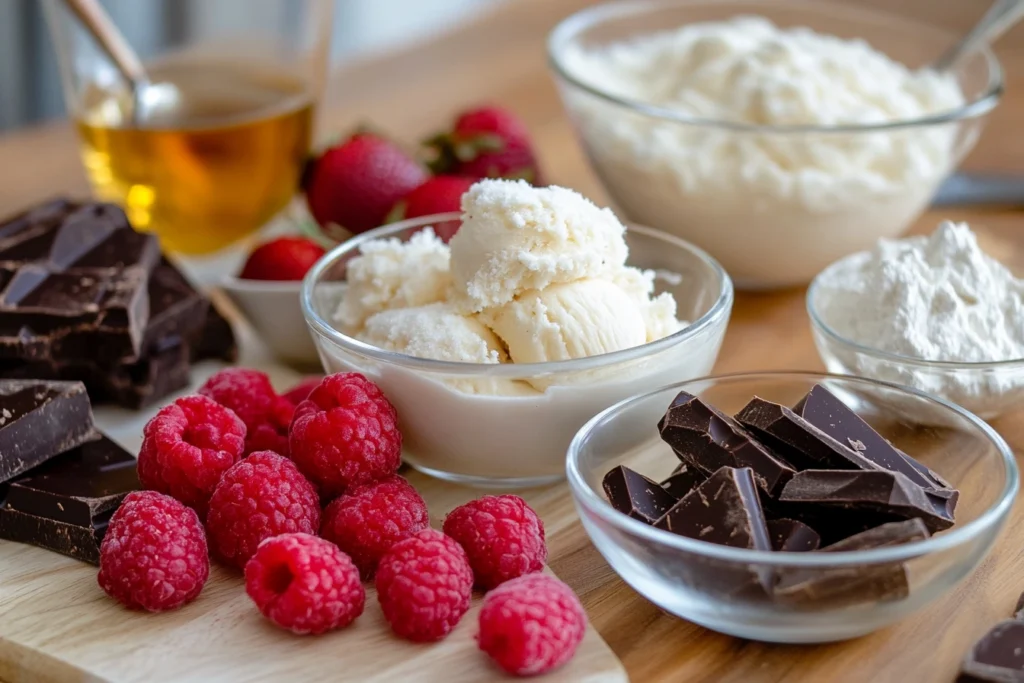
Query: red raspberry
(186, 448)
(424, 584)
(346, 434)
(153, 556)
(531, 625)
(250, 394)
(304, 584)
(502, 535)
(262, 496)
(301, 391)
(369, 519)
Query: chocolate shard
(834, 494)
(824, 410)
(998, 657)
(81, 543)
(837, 586)
(683, 480)
(724, 509)
(78, 486)
(792, 536)
(39, 420)
(634, 494)
(707, 439)
(216, 339)
(796, 439)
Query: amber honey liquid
(209, 167)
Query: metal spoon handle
(99, 24)
(1001, 16)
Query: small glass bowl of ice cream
(777, 135)
(934, 312)
(497, 347)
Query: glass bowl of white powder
(933, 312)
(494, 423)
(777, 135)
(848, 593)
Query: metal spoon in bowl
(147, 97)
(1000, 17)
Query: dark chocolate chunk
(998, 656)
(792, 536)
(707, 439)
(216, 340)
(81, 543)
(634, 494)
(800, 442)
(842, 493)
(76, 487)
(835, 586)
(725, 509)
(39, 420)
(683, 480)
(824, 410)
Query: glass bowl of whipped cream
(777, 135)
(795, 591)
(497, 346)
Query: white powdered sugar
(933, 298)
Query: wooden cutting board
(57, 625)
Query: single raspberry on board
(301, 391)
(531, 625)
(345, 434)
(186, 448)
(502, 535)
(262, 496)
(369, 519)
(424, 584)
(153, 556)
(250, 395)
(304, 584)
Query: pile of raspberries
(301, 492)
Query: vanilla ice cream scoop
(565, 321)
(435, 331)
(390, 274)
(515, 238)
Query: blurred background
(30, 86)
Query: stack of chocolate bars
(84, 297)
(60, 479)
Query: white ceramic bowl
(273, 309)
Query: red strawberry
(354, 184)
(285, 258)
(440, 194)
(488, 142)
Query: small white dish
(273, 309)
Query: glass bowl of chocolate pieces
(791, 507)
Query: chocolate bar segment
(792, 536)
(707, 439)
(998, 657)
(39, 420)
(683, 479)
(81, 543)
(634, 494)
(836, 586)
(216, 340)
(800, 442)
(833, 496)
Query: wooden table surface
(500, 57)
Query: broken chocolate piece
(822, 409)
(634, 494)
(76, 487)
(835, 494)
(216, 340)
(81, 543)
(998, 657)
(683, 480)
(707, 439)
(837, 586)
(797, 440)
(792, 536)
(39, 420)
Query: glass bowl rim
(718, 311)
(594, 502)
(949, 366)
(566, 31)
